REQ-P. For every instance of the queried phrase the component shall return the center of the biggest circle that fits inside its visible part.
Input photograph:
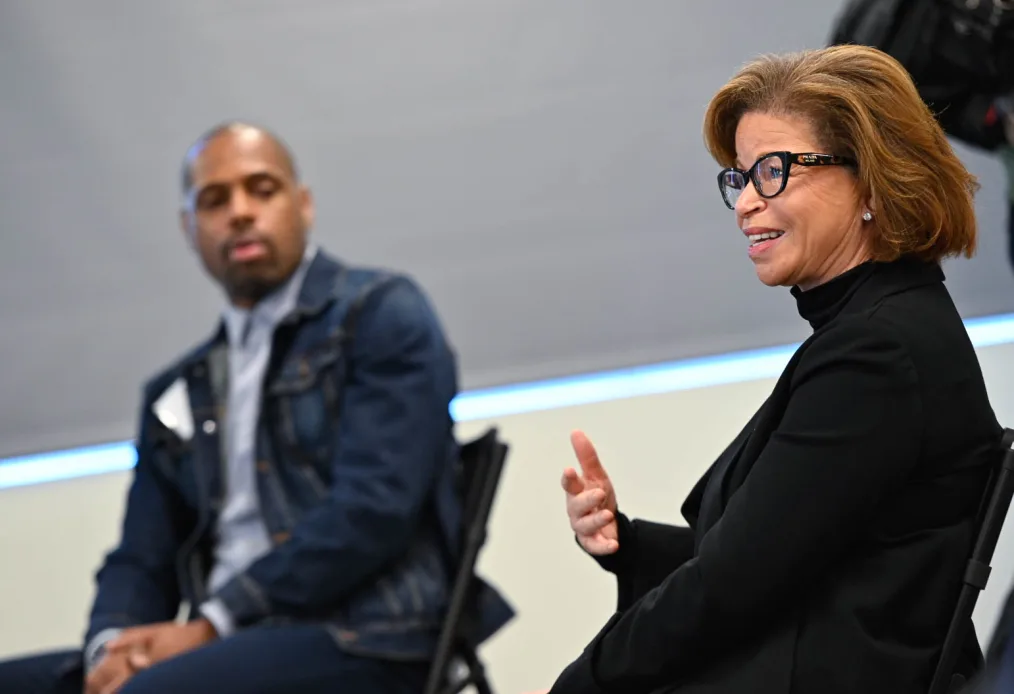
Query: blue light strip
(63, 465)
(490, 403)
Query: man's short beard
(250, 289)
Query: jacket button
(209, 426)
(279, 538)
(263, 466)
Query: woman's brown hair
(863, 104)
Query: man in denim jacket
(295, 476)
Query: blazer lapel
(707, 496)
(730, 470)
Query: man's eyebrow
(272, 174)
(210, 185)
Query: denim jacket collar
(315, 294)
(272, 308)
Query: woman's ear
(871, 204)
(868, 208)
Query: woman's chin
(770, 276)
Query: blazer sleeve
(648, 553)
(850, 435)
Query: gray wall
(537, 164)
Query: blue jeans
(271, 660)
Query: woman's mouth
(761, 240)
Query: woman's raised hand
(591, 501)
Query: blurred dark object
(970, 37)
(893, 26)
(960, 54)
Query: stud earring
(867, 216)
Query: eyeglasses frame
(787, 159)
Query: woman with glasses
(825, 548)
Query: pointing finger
(587, 457)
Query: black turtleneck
(819, 305)
(826, 542)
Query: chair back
(992, 513)
(455, 665)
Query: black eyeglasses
(770, 173)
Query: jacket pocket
(302, 400)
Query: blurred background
(536, 164)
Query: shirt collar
(273, 307)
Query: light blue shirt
(241, 535)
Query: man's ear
(188, 226)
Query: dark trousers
(276, 660)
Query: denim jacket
(355, 476)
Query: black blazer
(827, 543)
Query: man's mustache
(246, 239)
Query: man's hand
(147, 645)
(111, 673)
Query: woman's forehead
(758, 134)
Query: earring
(867, 216)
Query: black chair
(455, 665)
(996, 502)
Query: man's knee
(46, 673)
(179, 675)
(147, 682)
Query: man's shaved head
(234, 126)
(244, 209)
